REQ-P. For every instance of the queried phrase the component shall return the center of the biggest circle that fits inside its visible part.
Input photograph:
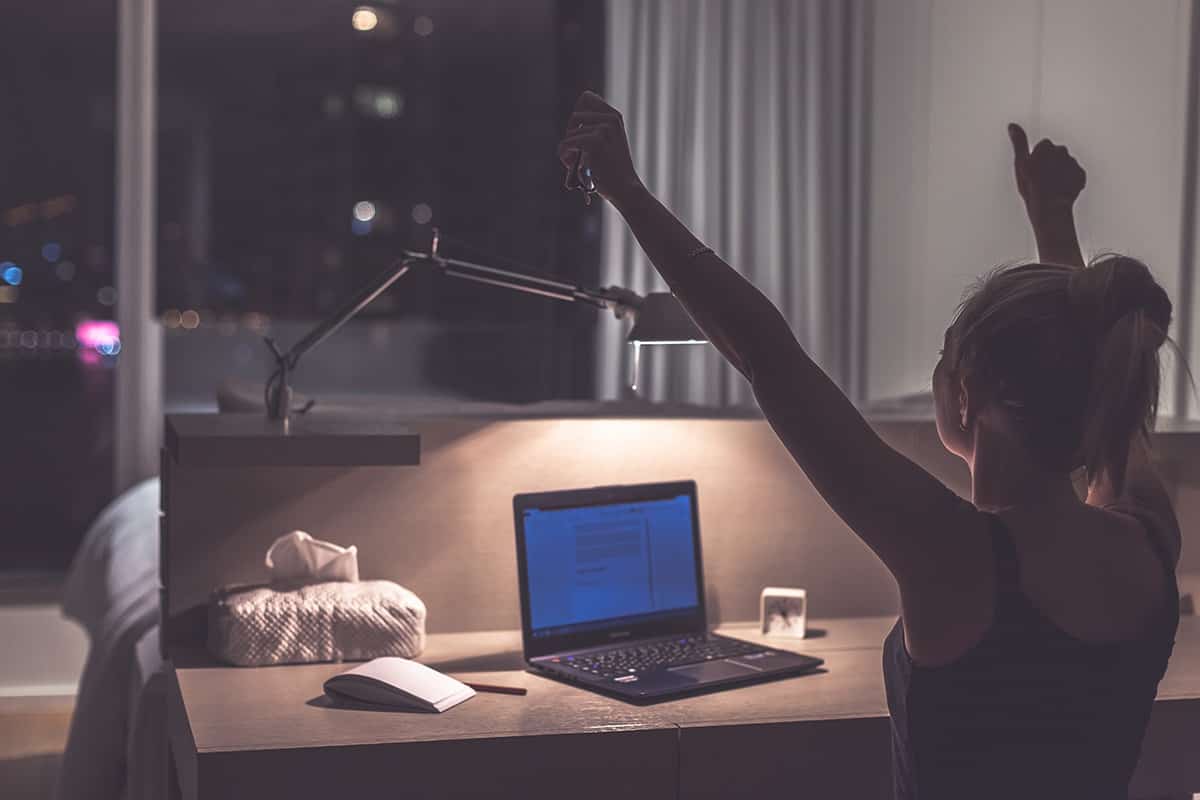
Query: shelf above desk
(308, 440)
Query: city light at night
(364, 19)
(364, 211)
(100, 335)
(422, 213)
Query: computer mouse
(399, 683)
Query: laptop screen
(598, 566)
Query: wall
(445, 528)
(1106, 77)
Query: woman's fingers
(570, 147)
(588, 134)
(605, 130)
(585, 140)
(1042, 149)
(584, 118)
(590, 101)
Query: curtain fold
(749, 121)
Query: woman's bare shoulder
(1102, 580)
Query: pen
(488, 687)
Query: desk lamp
(658, 317)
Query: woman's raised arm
(892, 504)
(1049, 180)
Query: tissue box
(335, 621)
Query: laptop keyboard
(648, 656)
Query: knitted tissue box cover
(335, 621)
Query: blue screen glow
(610, 562)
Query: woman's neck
(1006, 477)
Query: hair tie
(1107, 291)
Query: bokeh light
(422, 213)
(97, 333)
(387, 105)
(423, 26)
(11, 273)
(256, 322)
(364, 211)
(364, 19)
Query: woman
(1034, 625)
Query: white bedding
(116, 748)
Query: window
(303, 146)
(57, 340)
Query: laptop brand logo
(618, 634)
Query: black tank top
(1029, 711)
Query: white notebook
(401, 683)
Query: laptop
(612, 596)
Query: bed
(116, 747)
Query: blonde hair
(1071, 353)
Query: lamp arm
(348, 311)
(278, 393)
(620, 301)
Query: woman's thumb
(1020, 142)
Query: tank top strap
(1008, 567)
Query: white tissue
(296, 556)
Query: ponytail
(1126, 313)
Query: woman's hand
(595, 139)
(1048, 179)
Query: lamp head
(661, 319)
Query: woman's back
(1030, 710)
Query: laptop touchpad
(711, 671)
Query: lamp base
(279, 401)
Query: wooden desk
(269, 731)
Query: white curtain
(748, 118)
